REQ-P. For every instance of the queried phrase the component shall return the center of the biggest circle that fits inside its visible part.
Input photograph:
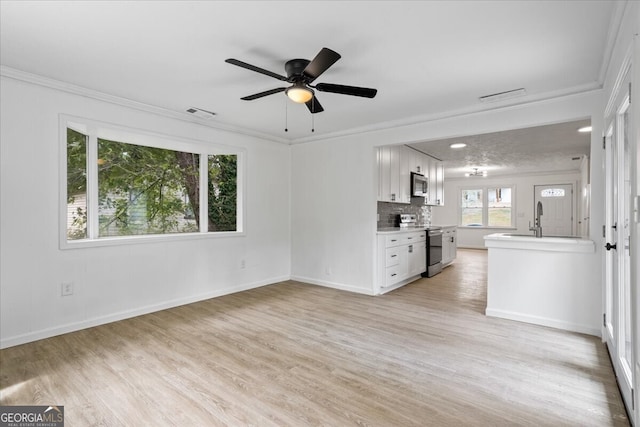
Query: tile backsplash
(388, 212)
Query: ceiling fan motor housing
(294, 68)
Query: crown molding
(50, 83)
(615, 26)
(505, 105)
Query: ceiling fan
(301, 73)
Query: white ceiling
(426, 58)
(556, 147)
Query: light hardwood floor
(294, 355)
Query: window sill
(151, 238)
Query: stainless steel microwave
(419, 185)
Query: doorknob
(609, 246)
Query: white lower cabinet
(449, 245)
(401, 259)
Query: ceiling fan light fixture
(476, 172)
(299, 93)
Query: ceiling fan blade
(256, 69)
(261, 94)
(314, 105)
(347, 90)
(323, 60)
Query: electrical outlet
(66, 289)
(327, 271)
(243, 264)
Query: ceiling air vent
(503, 95)
(199, 112)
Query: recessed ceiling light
(458, 145)
(585, 129)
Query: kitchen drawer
(418, 236)
(406, 238)
(393, 256)
(393, 276)
(394, 240)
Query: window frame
(485, 206)
(96, 129)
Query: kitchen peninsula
(541, 280)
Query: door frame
(573, 227)
(615, 260)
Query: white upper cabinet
(416, 160)
(405, 174)
(434, 171)
(395, 164)
(393, 175)
(439, 183)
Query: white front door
(618, 332)
(557, 209)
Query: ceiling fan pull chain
(313, 118)
(286, 117)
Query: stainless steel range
(434, 251)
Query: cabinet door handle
(394, 274)
(394, 240)
(409, 238)
(410, 249)
(393, 256)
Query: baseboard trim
(333, 285)
(127, 314)
(484, 248)
(543, 321)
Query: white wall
(117, 282)
(334, 214)
(473, 237)
(333, 190)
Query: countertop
(390, 230)
(544, 243)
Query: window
(499, 213)
(122, 184)
(487, 207)
(471, 208)
(552, 192)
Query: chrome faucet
(537, 228)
